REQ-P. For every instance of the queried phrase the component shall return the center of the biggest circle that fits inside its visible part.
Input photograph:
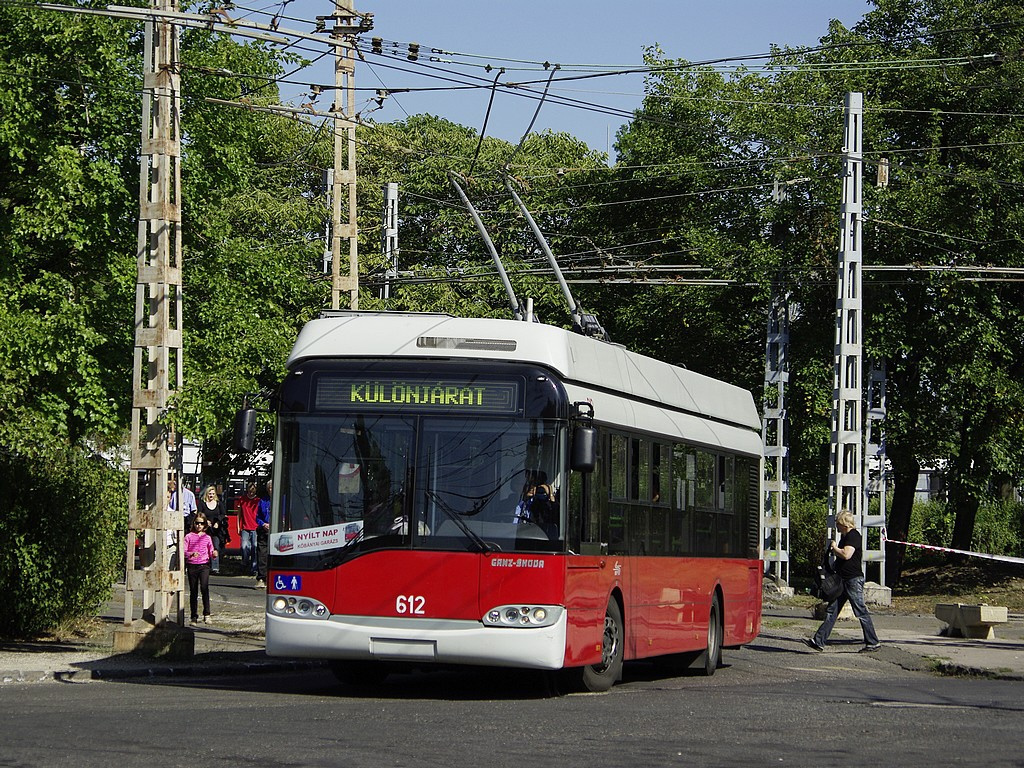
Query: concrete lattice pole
(346, 26)
(157, 365)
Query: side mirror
(245, 430)
(584, 449)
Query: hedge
(63, 523)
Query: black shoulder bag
(828, 585)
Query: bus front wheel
(603, 675)
(712, 656)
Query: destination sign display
(467, 395)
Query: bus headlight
(297, 607)
(523, 615)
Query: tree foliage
(694, 190)
(63, 521)
(69, 120)
(940, 80)
(254, 212)
(438, 239)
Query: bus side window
(578, 523)
(704, 513)
(644, 470)
(616, 504)
(595, 539)
(684, 471)
(617, 466)
(656, 453)
(660, 533)
(705, 481)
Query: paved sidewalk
(912, 641)
(233, 644)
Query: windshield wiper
(456, 518)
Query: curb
(952, 669)
(223, 669)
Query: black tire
(360, 673)
(712, 656)
(600, 677)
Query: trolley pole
(347, 25)
(157, 364)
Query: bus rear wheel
(712, 656)
(360, 673)
(603, 675)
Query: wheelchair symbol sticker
(287, 582)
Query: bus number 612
(410, 604)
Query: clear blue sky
(566, 32)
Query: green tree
(63, 521)
(69, 143)
(437, 237)
(254, 212)
(940, 84)
(685, 171)
(951, 201)
(69, 119)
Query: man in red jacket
(249, 507)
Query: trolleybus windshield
(351, 482)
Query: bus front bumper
(439, 641)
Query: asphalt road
(774, 704)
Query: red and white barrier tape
(1000, 558)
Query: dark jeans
(853, 590)
(248, 546)
(198, 579)
(217, 548)
(262, 542)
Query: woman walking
(848, 559)
(212, 507)
(199, 553)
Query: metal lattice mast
(846, 487)
(157, 366)
(775, 432)
(344, 184)
(874, 452)
(390, 237)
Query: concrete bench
(974, 621)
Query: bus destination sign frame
(362, 393)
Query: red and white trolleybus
(493, 492)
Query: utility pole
(157, 365)
(846, 479)
(775, 434)
(874, 448)
(347, 24)
(390, 239)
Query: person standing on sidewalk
(263, 535)
(848, 565)
(249, 508)
(212, 507)
(199, 554)
(184, 502)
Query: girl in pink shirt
(199, 552)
